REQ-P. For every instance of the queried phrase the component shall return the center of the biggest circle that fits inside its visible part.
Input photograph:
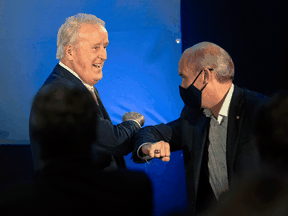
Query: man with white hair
(81, 43)
(214, 130)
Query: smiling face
(89, 54)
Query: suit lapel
(75, 82)
(60, 71)
(120, 161)
(235, 118)
(195, 128)
(102, 108)
(199, 135)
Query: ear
(207, 75)
(69, 52)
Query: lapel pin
(237, 117)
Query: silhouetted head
(258, 196)
(63, 122)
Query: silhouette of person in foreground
(64, 125)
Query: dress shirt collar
(224, 108)
(76, 75)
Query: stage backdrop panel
(140, 74)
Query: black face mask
(192, 96)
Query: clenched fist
(159, 150)
(134, 116)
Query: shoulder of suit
(60, 76)
(253, 101)
(255, 97)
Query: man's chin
(98, 78)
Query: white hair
(212, 56)
(68, 32)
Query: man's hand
(159, 150)
(134, 116)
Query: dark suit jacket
(113, 142)
(189, 133)
(77, 188)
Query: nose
(103, 54)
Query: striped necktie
(94, 95)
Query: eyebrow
(101, 43)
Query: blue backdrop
(140, 74)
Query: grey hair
(68, 32)
(212, 56)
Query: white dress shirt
(217, 164)
(224, 108)
(76, 75)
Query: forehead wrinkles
(91, 37)
(93, 31)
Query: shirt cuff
(146, 157)
(135, 121)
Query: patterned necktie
(94, 95)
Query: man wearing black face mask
(214, 129)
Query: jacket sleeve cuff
(135, 121)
